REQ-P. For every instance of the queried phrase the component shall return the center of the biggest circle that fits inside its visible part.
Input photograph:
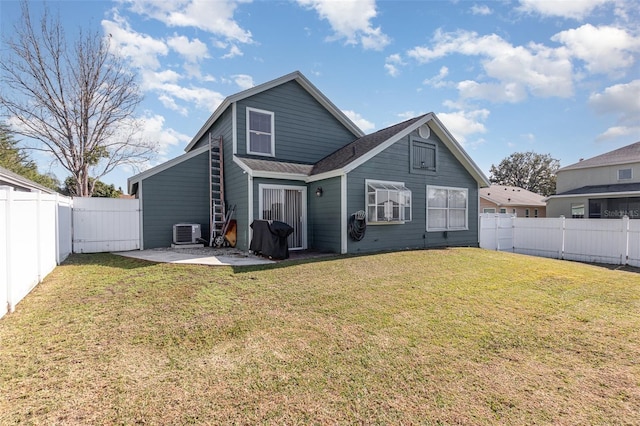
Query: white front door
(286, 204)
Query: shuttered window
(423, 156)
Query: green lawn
(457, 336)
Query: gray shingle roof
(604, 189)
(626, 154)
(276, 166)
(359, 147)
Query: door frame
(303, 202)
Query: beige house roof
(511, 196)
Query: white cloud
(495, 92)
(463, 124)
(141, 49)
(605, 49)
(517, 70)
(165, 85)
(233, 52)
(362, 123)
(617, 132)
(215, 17)
(481, 10)
(623, 101)
(351, 20)
(438, 80)
(243, 81)
(192, 51)
(152, 129)
(391, 64)
(576, 9)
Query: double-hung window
(447, 208)
(260, 132)
(388, 202)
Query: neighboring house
(20, 183)
(289, 154)
(606, 186)
(512, 200)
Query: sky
(554, 77)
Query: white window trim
(368, 182)
(630, 170)
(273, 132)
(447, 228)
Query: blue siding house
(289, 154)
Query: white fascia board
(248, 170)
(212, 119)
(164, 166)
(598, 194)
(279, 175)
(297, 76)
(267, 174)
(326, 175)
(234, 128)
(328, 105)
(386, 144)
(344, 225)
(458, 152)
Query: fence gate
(105, 224)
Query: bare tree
(75, 101)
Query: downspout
(250, 209)
(343, 214)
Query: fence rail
(611, 241)
(38, 231)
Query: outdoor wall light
(319, 191)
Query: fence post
(513, 234)
(562, 223)
(496, 224)
(625, 230)
(9, 272)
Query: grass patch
(419, 337)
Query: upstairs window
(388, 202)
(447, 208)
(260, 132)
(624, 174)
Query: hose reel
(357, 225)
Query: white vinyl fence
(611, 241)
(38, 232)
(105, 224)
(36, 236)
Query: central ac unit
(186, 233)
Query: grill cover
(270, 239)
